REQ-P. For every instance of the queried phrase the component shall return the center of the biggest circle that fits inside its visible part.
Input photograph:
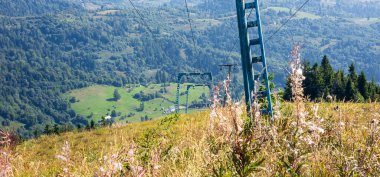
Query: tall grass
(336, 139)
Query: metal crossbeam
(192, 74)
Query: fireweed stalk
(64, 156)
(7, 143)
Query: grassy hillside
(98, 100)
(339, 139)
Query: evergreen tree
(352, 94)
(73, 100)
(88, 127)
(350, 90)
(307, 83)
(327, 74)
(92, 124)
(362, 85)
(321, 80)
(47, 130)
(56, 129)
(316, 80)
(352, 74)
(116, 95)
(338, 87)
(373, 91)
(288, 90)
(35, 133)
(113, 113)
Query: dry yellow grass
(190, 146)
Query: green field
(299, 15)
(97, 101)
(365, 21)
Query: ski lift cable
(141, 17)
(190, 24)
(144, 22)
(285, 23)
(280, 28)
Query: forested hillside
(50, 47)
(37, 7)
(45, 56)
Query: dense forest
(37, 7)
(50, 47)
(323, 83)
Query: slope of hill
(338, 139)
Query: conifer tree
(56, 129)
(113, 113)
(92, 124)
(308, 82)
(35, 133)
(321, 80)
(327, 74)
(316, 87)
(350, 90)
(288, 90)
(352, 94)
(352, 74)
(47, 129)
(338, 88)
(116, 95)
(362, 85)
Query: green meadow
(98, 101)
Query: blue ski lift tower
(253, 54)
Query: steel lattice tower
(249, 60)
